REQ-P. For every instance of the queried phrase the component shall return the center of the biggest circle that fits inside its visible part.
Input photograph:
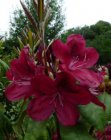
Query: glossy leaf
(3, 64)
(95, 115)
(30, 38)
(106, 99)
(20, 42)
(36, 131)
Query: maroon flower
(76, 59)
(61, 96)
(22, 70)
(105, 135)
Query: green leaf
(30, 38)
(78, 132)
(2, 109)
(94, 115)
(36, 45)
(106, 99)
(36, 131)
(20, 42)
(1, 135)
(5, 127)
(4, 64)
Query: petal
(76, 43)
(18, 90)
(64, 80)
(44, 85)
(24, 54)
(87, 77)
(82, 57)
(10, 76)
(39, 70)
(61, 51)
(108, 137)
(84, 60)
(96, 101)
(23, 67)
(91, 57)
(67, 86)
(40, 108)
(80, 97)
(67, 114)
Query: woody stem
(57, 127)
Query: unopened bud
(106, 78)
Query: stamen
(60, 100)
(57, 96)
(94, 91)
(85, 57)
(25, 83)
(76, 60)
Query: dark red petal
(39, 70)
(39, 53)
(87, 77)
(23, 67)
(18, 90)
(67, 86)
(96, 101)
(61, 51)
(99, 135)
(64, 80)
(108, 130)
(44, 85)
(24, 54)
(67, 114)
(108, 137)
(40, 108)
(10, 75)
(76, 43)
(82, 97)
(92, 57)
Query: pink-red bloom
(21, 71)
(62, 96)
(76, 59)
(72, 84)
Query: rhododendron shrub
(58, 86)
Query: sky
(77, 12)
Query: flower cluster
(58, 81)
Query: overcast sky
(77, 12)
